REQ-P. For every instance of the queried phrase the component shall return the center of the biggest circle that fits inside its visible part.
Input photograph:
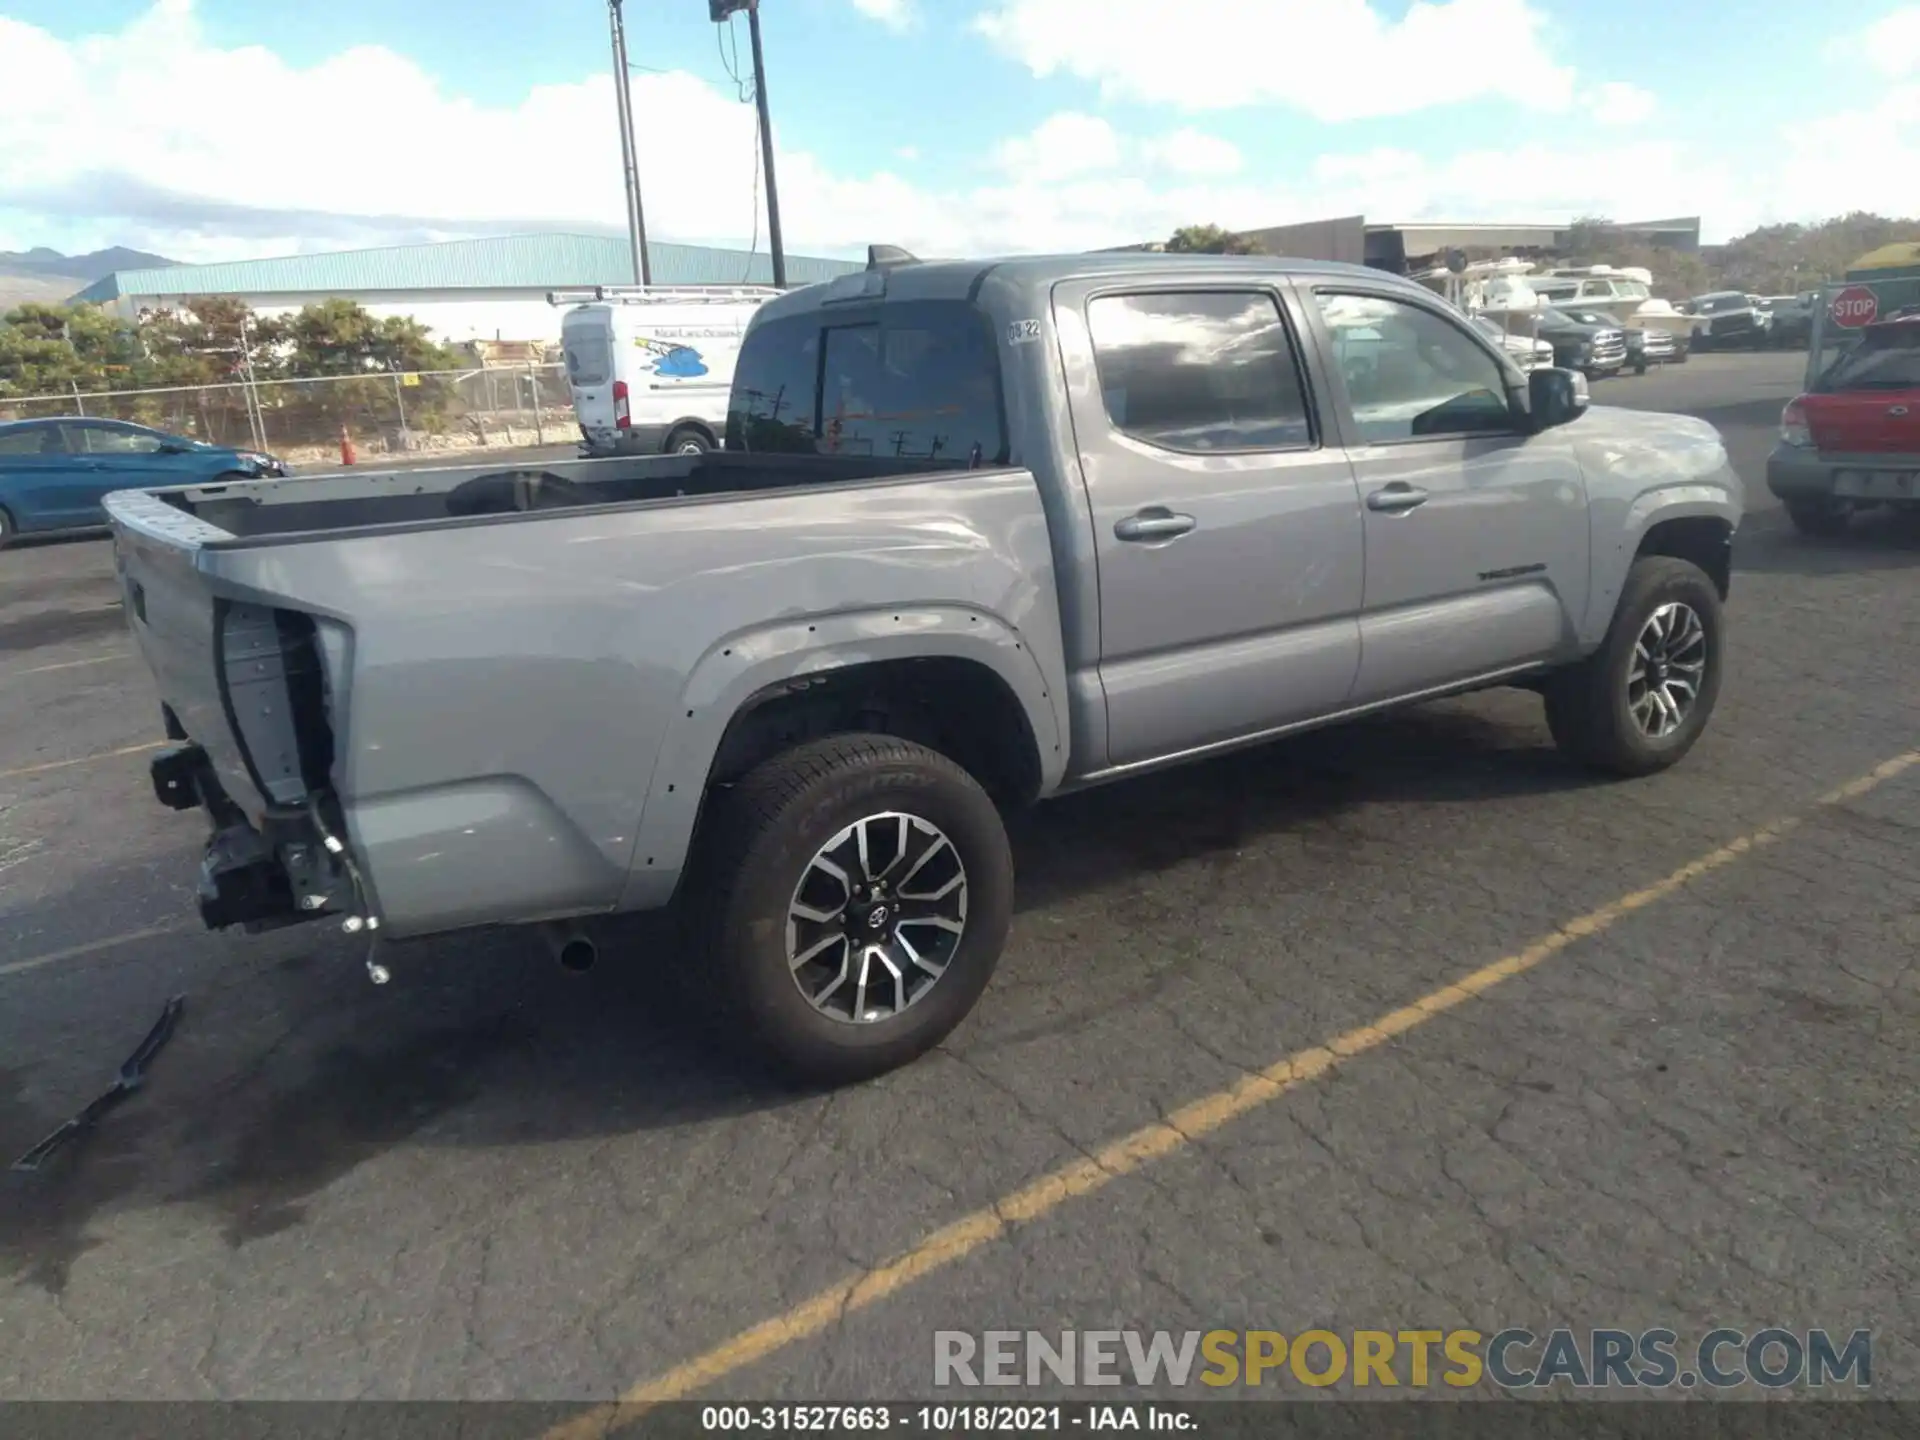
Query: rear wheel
(1639, 702)
(689, 440)
(1819, 515)
(6, 528)
(855, 897)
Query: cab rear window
(913, 380)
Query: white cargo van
(650, 366)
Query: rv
(650, 366)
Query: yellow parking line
(83, 759)
(1155, 1142)
(75, 664)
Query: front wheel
(1639, 702)
(6, 528)
(858, 893)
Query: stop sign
(1854, 306)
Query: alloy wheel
(878, 915)
(1668, 667)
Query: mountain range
(48, 276)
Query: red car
(1852, 440)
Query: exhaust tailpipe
(572, 947)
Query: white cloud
(1618, 103)
(1333, 59)
(1864, 158)
(1064, 145)
(894, 14)
(1193, 152)
(132, 139)
(1890, 45)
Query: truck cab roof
(964, 279)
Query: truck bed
(514, 712)
(370, 499)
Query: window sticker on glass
(1023, 332)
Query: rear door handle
(1397, 496)
(1156, 522)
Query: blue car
(54, 473)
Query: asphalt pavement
(1402, 1026)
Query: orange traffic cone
(348, 455)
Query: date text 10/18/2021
(945, 1419)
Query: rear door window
(1200, 371)
(916, 380)
(37, 441)
(589, 354)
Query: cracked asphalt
(492, 1179)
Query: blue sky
(207, 128)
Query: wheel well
(958, 707)
(681, 426)
(1705, 540)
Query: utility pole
(720, 10)
(636, 217)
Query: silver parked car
(983, 533)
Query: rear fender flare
(738, 667)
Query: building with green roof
(464, 290)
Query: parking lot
(1679, 1089)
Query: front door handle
(1156, 522)
(1396, 497)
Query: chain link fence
(303, 421)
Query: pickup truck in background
(1726, 320)
(1588, 342)
(982, 533)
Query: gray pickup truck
(982, 533)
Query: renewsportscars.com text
(1515, 1359)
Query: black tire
(1680, 356)
(1588, 704)
(1640, 367)
(763, 836)
(6, 528)
(1818, 516)
(688, 440)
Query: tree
(54, 349)
(1210, 240)
(338, 337)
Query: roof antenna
(883, 255)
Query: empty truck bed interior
(351, 501)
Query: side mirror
(1555, 396)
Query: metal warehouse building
(463, 290)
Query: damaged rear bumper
(287, 869)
